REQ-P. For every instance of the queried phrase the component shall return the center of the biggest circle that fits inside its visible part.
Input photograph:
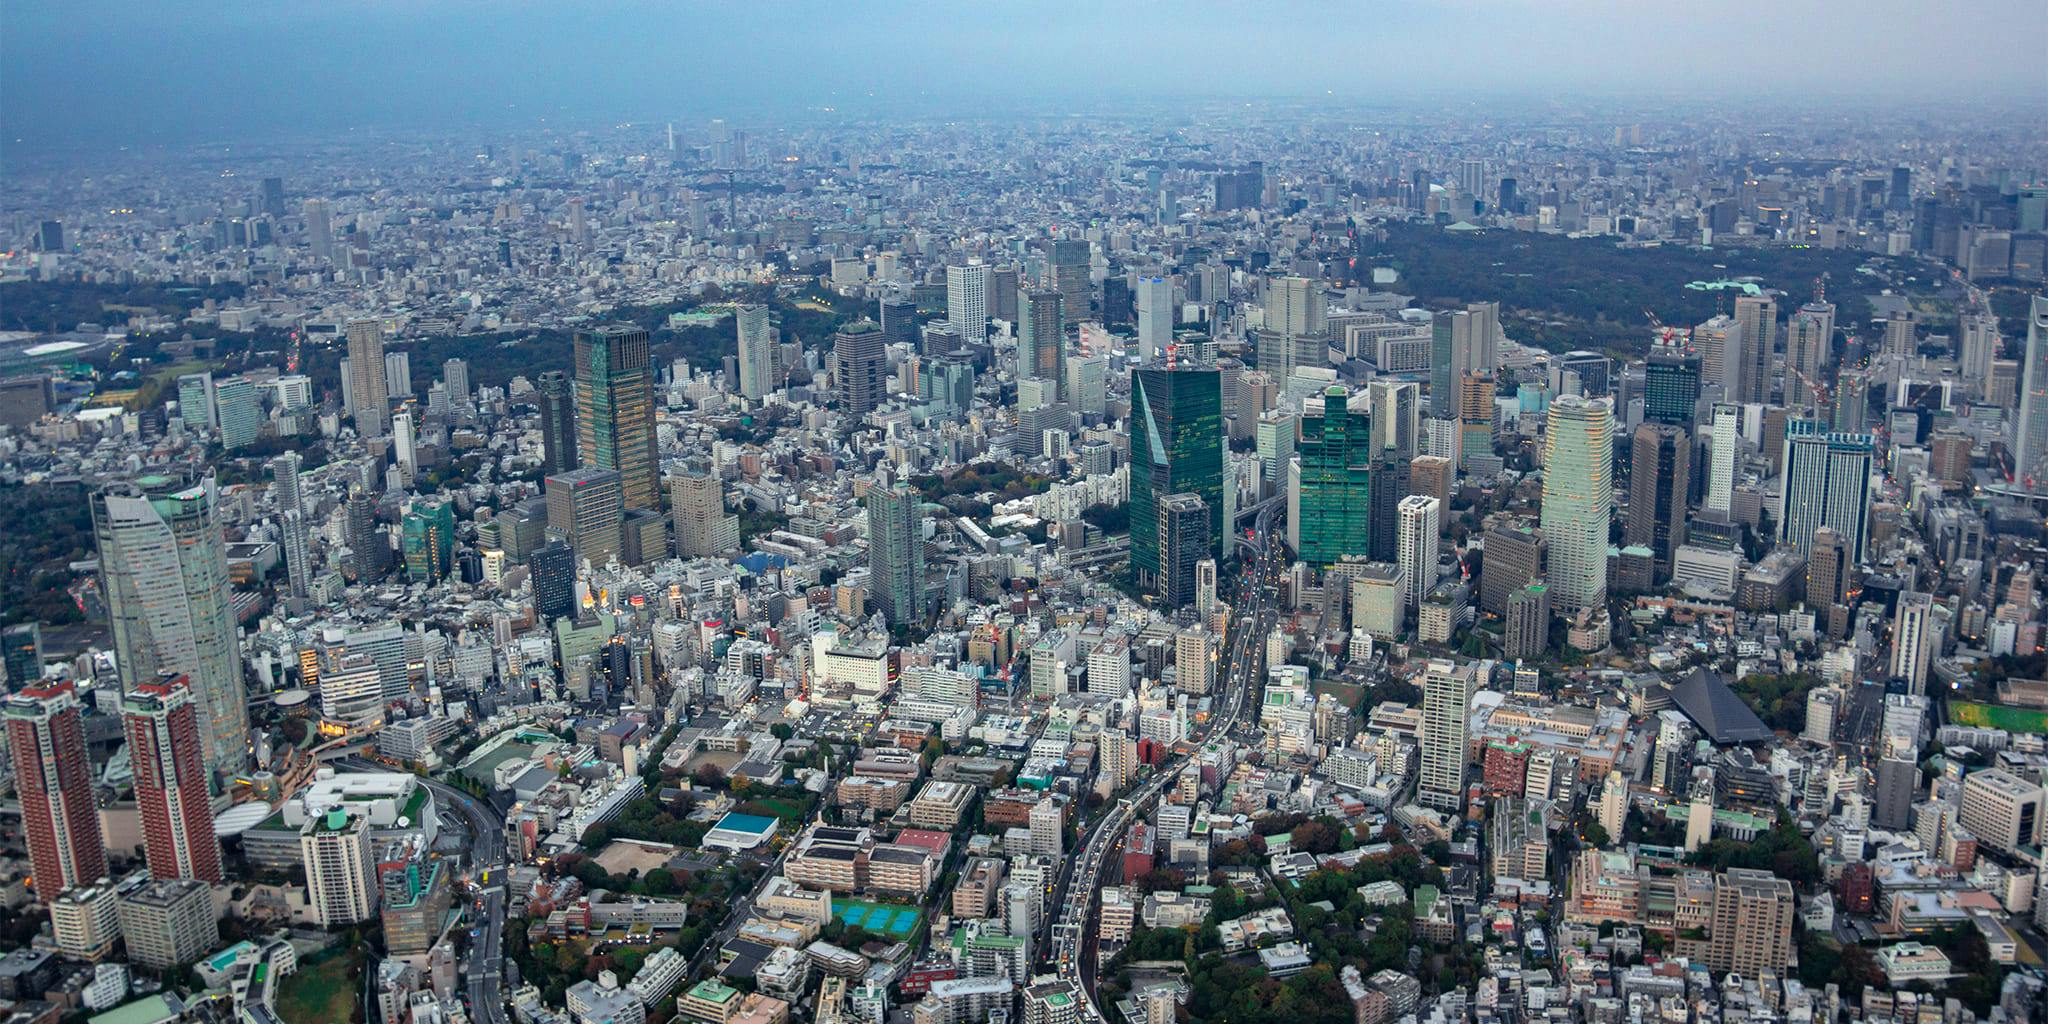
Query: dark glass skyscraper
(1671, 385)
(1336, 472)
(1176, 448)
(615, 410)
(554, 580)
(557, 422)
(896, 551)
(862, 366)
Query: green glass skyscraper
(428, 536)
(615, 410)
(1336, 471)
(1176, 448)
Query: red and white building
(161, 720)
(54, 780)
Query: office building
(553, 572)
(1809, 345)
(1514, 559)
(196, 404)
(1177, 443)
(703, 526)
(427, 537)
(2001, 809)
(1660, 470)
(1070, 276)
(367, 389)
(557, 395)
(164, 576)
(413, 904)
(21, 653)
(168, 923)
(1155, 317)
(1041, 337)
(1420, 535)
(1528, 622)
(1826, 482)
(757, 347)
(967, 301)
(238, 412)
(340, 884)
(1578, 500)
(896, 567)
(1447, 689)
(1723, 455)
(369, 548)
(1756, 321)
(584, 508)
(2030, 434)
(615, 411)
(53, 779)
(1336, 479)
(1184, 543)
(351, 694)
(161, 722)
(1671, 385)
(863, 367)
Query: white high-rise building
(756, 351)
(1722, 449)
(1046, 822)
(1419, 534)
(1154, 300)
(1578, 500)
(1979, 346)
(967, 300)
(405, 446)
(164, 575)
(1447, 689)
(1914, 638)
(335, 848)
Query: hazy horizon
(120, 71)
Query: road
(1072, 949)
(484, 965)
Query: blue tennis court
(882, 918)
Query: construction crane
(1666, 334)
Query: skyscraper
(1447, 689)
(1336, 477)
(1757, 318)
(238, 411)
(53, 779)
(1825, 482)
(1660, 469)
(967, 301)
(896, 551)
(21, 653)
(756, 350)
(1419, 534)
(319, 229)
(427, 535)
(1295, 308)
(1671, 385)
(1155, 317)
(298, 551)
(863, 367)
(1177, 444)
(340, 882)
(1184, 544)
(1578, 499)
(1041, 352)
(585, 508)
(1914, 639)
(899, 322)
(1514, 559)
(369, 549)
(615, 411)
(1070, 277)
(1752, 923)
(455, 377)
(553, 569)
(164, 573)
(557, 422)
(1978, 347)
(703, 526)
(367, 388)
(2030, 448)
(161, 721)
(1723, 449)
(1809, 342)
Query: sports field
(1995, 717)
(881, 918)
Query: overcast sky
(150, 70)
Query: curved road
(1073, 948)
